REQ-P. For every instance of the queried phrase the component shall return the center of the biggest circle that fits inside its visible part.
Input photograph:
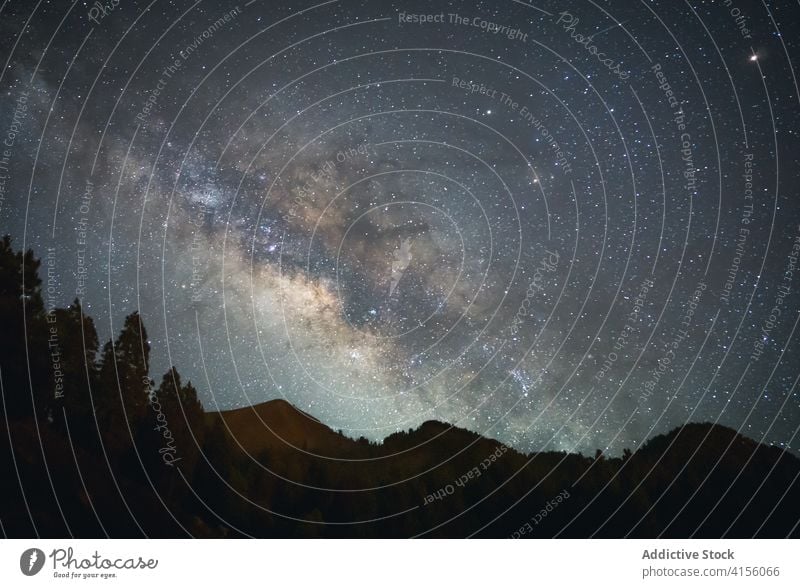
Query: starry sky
(564, 225)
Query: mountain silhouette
(701, 479)
(117, 454)
(278, 425)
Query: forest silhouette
(91, 446)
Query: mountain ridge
(262, 425)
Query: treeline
(90, 446)
(86, 424)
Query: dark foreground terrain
(95, 448)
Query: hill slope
(277, 425)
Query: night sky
(564, 225)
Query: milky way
(563, 225)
